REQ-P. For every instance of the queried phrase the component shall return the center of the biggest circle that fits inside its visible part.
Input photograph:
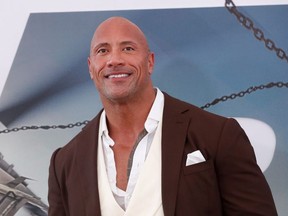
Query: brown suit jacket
(228, 183)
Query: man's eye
(128, 49)
(102, 51)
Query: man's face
(120, 63)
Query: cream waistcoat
(146, 199)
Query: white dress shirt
(142, 149)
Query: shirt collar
(103, 124)
(155, 114)
(152, 120)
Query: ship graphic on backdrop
(15, 194)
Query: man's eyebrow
(128, 42)
(100, 45)
(105, 44)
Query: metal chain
(46, 127)
(259, 35)
(243, 93)
(214, 102)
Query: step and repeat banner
(228, 58)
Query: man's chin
(117, 97)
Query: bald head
(117, 26)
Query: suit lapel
(174, 128)
(86, 168)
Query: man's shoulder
(81, 141)
(173, 104)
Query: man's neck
(129, 116)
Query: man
(147, 153)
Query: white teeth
(118, 76)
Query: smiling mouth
(113, 76)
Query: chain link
(213, 103)
(45, 127)
(258, 34)
(243, 93)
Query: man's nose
(115, 58)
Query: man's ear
(89, 66)
(150, 62)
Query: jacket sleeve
(243, 187)
(55, 196)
